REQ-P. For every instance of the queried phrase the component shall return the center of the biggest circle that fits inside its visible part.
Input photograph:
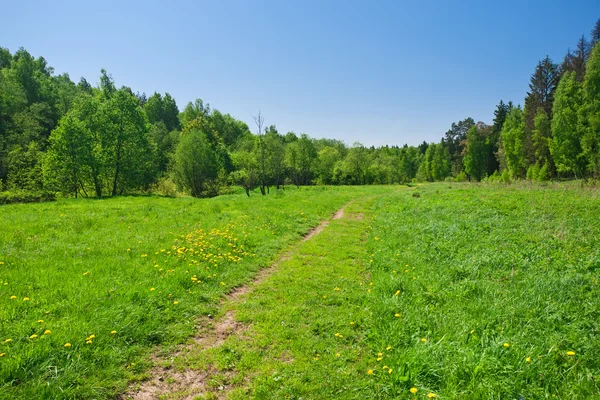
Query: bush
(22, 196)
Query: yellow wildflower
(570, 353)
(67, 344)
(25, 298)
(396, 315)
(2, 354)
(506, 345)
(40, 321)
(388, 348)
(175, 302)
(33, 336)
(88, 342)
(423, 340)
(528, 359)
(431, 395)
(8, 340)
(370, 372)
(113, 332)
(397, 293)
(414, 390)
(47, 332)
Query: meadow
(90, 287)
(471, 291)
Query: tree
(595, 35)
(475, 159)
(196, 167)
(576, 61)
(589, 119)
(259, 120)
(440, 163)
(542, 135)
(127, 150)
(455, 141)
(541, 95)
(565, 145)
(513, 142)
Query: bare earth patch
(189, 384)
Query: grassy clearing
(89, 287)
(466, 291)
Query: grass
(88, 288)
(462, 291)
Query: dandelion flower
(351, 322)
(152, 289)
(423, 340)
(88, 342)
(397, 293)
(390, 371)
(528, 359)
(113, 332)
(379, 358)
(506, 345)
(33, 336)
(8, 340)
(431, 395)
(337, 354)
(40, 321)
(570, 353)
(25, 298)
(2, 354)
(396, 315)
(175, 302)
(414, 390)
(370, 372)
(67, 344)
(388, 348)
(47, 332)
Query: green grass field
(439, 291)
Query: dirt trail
(189, 384)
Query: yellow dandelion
(528, 359)
(397, 293)
(47, 332)
(337, 354)
(370, 372)
(25, 298)
(8, 340)
(396, 315)
(390, 371)
(570, 353)
(325, 296)
(40, 321)
(472, 331)
(506, 345)
(431, 395)
(414, 390)
(113, 332)
(88, 342)
(152, 289)
(423, 340)
(388, 348)
(379, 354)
(2, 354)
(175, 302)
(379, 358)
(351, 322)
(67, 344)
(385, 367)
(33, 336)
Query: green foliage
(590, 113)
(26, 196)
(196, 165)
(476, 157)
(513, 142)
(565, 145)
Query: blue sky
(378, 72)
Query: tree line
(57, 136)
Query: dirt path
(189, 384)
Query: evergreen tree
(589, 118)
(565, 145)
(475, 160)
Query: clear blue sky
(378, 72)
